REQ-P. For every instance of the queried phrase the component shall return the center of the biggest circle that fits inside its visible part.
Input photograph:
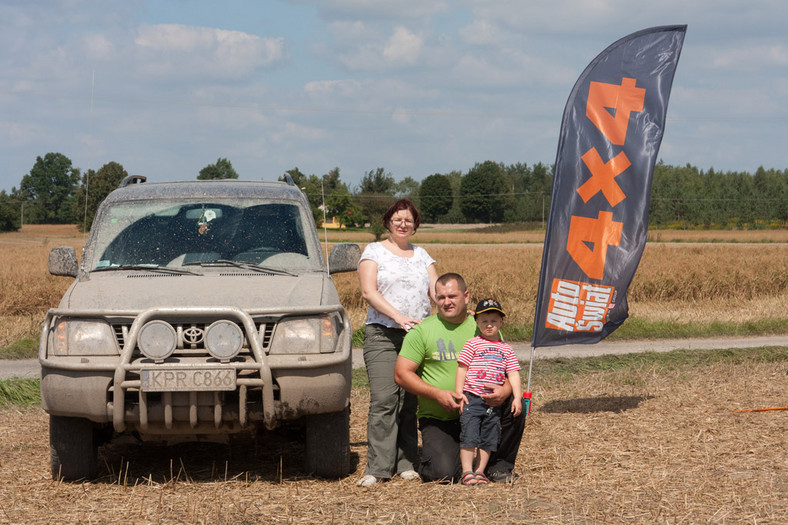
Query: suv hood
(130, 290)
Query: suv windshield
(175, 233)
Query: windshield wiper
(147, 268)
(242, 264)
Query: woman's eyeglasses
(399, 222)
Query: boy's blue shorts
(481, 424)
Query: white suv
(201, 310)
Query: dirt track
(30, 367)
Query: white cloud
(479, 32)
(206, 51)
(403, 47)
(332, 88)
(351, 31)
(98, 47)
(752, 56)
(401, 116)
(389, 9)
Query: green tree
(223, 169)
(378, 181)
(10, 214)
(408, 188)
(540, 188)
(771, 188)
(310, 185)
(48, 190)
(96, 186)
(435, 196)
(376, 194)
(675, 195)
(485, 193)
(341, 206)
(339, 202)
(455, 214)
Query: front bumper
(270, 388)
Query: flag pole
(530, 368)
(527, 393)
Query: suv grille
(191, 337)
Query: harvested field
(683, 282)
(474, 233)
(676, 282)
(642, 445)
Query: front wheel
(72, 448)
(328, 444)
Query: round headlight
(224, 340)
(157, 340)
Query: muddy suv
(201, 311)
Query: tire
(328, 444)
(73, 451)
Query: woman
(397, 280)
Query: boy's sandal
(480, 478)
(469, 478)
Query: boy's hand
(449, 400)
(517, 406)
(462, 400)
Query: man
(427, 366)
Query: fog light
(157, 340)
(224, 340)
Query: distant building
(332, 223)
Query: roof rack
(132, 179)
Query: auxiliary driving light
(224, 340)
(157, 340)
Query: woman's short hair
(402, 204)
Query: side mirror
(344, 257)
(63, 261)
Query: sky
(415, 87)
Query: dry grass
(637, 446)
(468, 233)
(676, 282)
(760, 236)
(26, 288)
(681, 282)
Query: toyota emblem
(193, 335)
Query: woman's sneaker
(409, 475)
(367, 481)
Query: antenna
(325, 228)
(90, 149)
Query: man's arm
(405, 376)
(499, 394)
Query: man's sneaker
(367, 481)
(502, 476)
(409, 475)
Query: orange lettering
(603, 176)
(622, 99)
(602, 232)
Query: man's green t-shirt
(434, 345)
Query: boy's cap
(489, 305)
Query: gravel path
(30, 367)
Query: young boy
(485, 360)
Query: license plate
(186, 380)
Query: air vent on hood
(138, 275)
(246, 274)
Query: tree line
(56, 192)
